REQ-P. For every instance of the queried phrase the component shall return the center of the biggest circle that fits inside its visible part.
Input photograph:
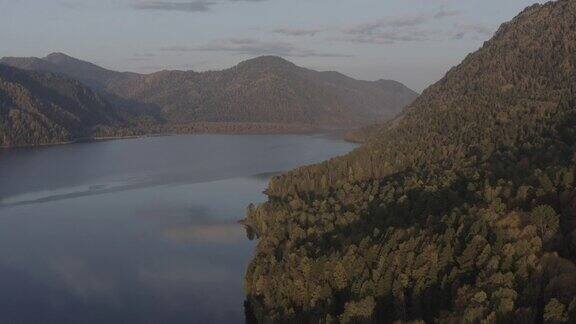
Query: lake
(141, 230)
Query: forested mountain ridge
(262, 90)
(90, 74)
(42, 108)
(462, 210)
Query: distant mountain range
(263, 94)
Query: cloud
(189, 6)
(415, 28)
(388, 37)
(444, 13)
(298, 31)
(81, 278)
(249, 46)
(389, 30)
(183, 6)
(474, 30)
(376, 27)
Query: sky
(411, 41)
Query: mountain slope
(42, 108)
(90, 74)
(463, 209)
(262, 90)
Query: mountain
(41, 108)
(59, 63)
(461, 210)
(263, 90)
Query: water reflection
(214, 233)
(150, 241)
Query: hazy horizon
(414, 42)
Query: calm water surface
(140, 230)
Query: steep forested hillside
(42, 108)
(263, 90)
(462, 210)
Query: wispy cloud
(389, 30)
(475, 30)
(183, 6)
(298, 31)
(416, 28)
(388, 37)
(189, 6)
(443, 13)
(250, 46)
(386, 23)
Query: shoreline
(341, 134)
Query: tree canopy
(462, 210)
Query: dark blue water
(140, 230)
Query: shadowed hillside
(43, 108)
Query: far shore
(342, 133)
